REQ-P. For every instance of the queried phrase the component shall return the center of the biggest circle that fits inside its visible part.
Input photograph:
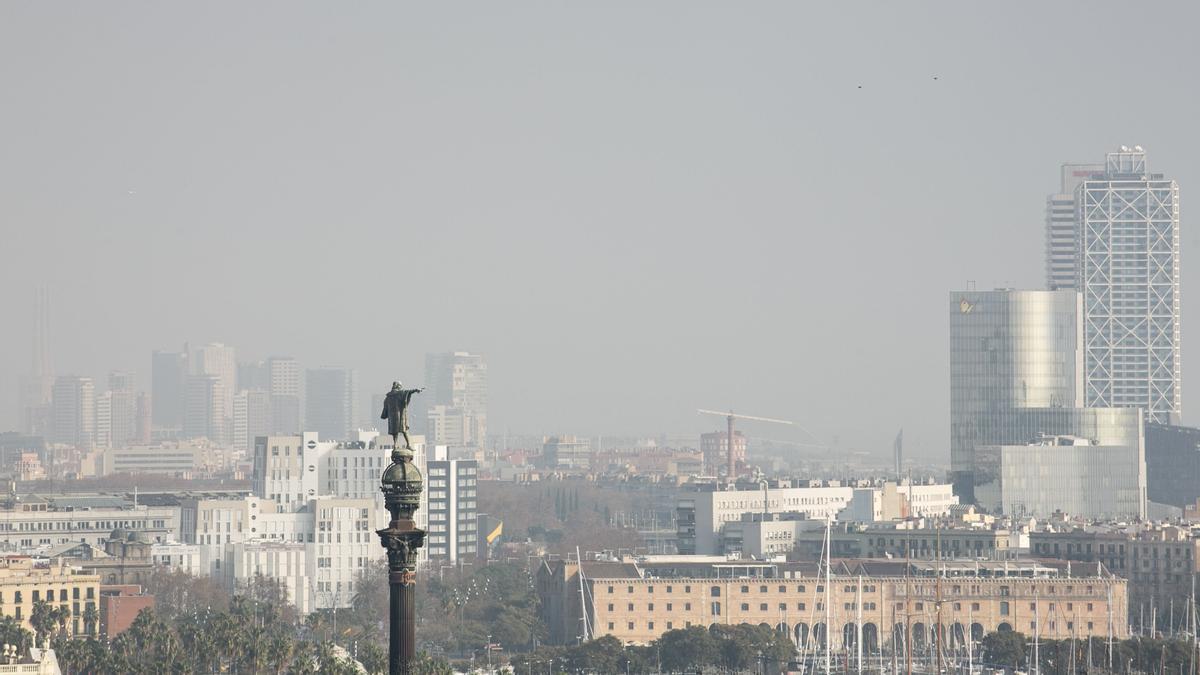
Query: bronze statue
(395, 411)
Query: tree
(373, 658)
(687, 648)
(43, 619)
(91, 618)
(1004, 648)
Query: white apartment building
(704, 515)
(324, 546)
(450, 500)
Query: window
(610, 607)
(800, 606)
(610, 589)
(1003, 608)
(716, 609)
(610, 625)
(630, 625)
(745, 607)
(687, 606)
(762, 589)
(762, 607)
(745, 589)
(716, 591)
(630, 607)
(650, 607)
(974, 606)
(669, 607)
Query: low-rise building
(119, 607)
(709, 516)
(637, 600)
(32, 521)
(1160, 561)
(25, 581)
(918, 540)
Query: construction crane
(729, 418)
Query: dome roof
(139, 537)
(119, 534)
(401, 472)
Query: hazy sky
(634, 209)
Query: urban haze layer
(684, 302)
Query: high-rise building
(254, 375)
(220, 360)
(168, 374)
(285, 394)
(205, 413)
(459, 382)
(1128, 221)
(144, 425)
(102, 417)
(1062, 234)
(74, 405)
(330, 398)
(453, 510)
(122, 409)
(251, 417)
(1008, 350)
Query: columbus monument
(401, 486)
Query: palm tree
(42, 619)
(91, 618)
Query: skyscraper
(1062, 233)
(251, 417)
(204, 416)
(220, 360)
(168, 374)
(1008, 350)
(330, 402)
(285, 395)
(74, 406)
(458, 381)
(1128, 220)
(122, 409)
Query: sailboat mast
(828, 598)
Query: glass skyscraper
(1008, 350)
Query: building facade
(74, 411)
(1062, 233)
(1172, 464)
(284, 373)
(453, 516)
(1008, 350)
(168, 374)
(869, 603)
(1064, 474)
(24, 582)
(331, 402)
(1128, 221)
(457, 382)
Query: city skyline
(624, 255)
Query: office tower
(102, 416)
(143, 421)
(1008, 350)
(251, 417)
(330, 395)
(1062, 234)
(1128, 220)
(254, 375)
(220, 360)
(204, 416)
(74, 406)
(39, 384)
(285, 394)
(168, 374)
(458, 381)
(122, 409)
